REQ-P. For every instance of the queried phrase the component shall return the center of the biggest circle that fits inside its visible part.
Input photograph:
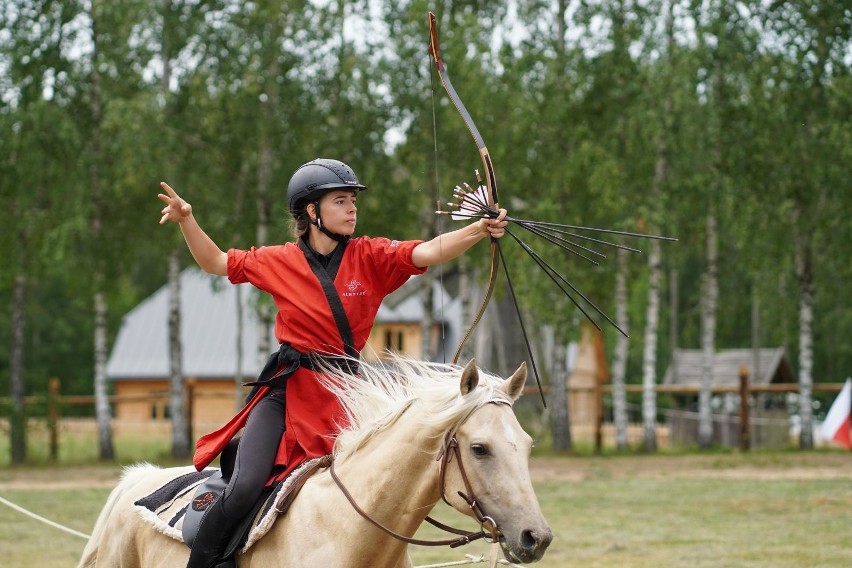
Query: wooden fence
(54, 402)
(744, 389)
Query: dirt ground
(769, 466)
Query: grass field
(781, 509)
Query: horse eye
(479, 450)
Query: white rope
(470, 559)
(42, 519)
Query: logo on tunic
(355, 288)
(394, 244)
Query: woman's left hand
(496, 227)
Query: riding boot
(214, 532)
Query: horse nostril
(534, 543)
(529, 541)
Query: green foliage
(570, 100)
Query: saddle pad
(165, 507)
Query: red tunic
(371, 269)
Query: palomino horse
(402, 419)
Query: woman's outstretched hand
(176, 209)
(496, 227)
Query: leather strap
(284, 501)
(465, 538)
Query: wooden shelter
(221, 346)
(765, 366)
(588, 372)
(767, 424)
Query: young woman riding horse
(327, 286)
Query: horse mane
(383, 390)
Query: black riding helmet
(316, 178)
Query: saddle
(176, 508)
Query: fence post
(189, 400)
(53, 416)
(745, 428)
(598, 415)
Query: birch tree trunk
(467, 291)
(619, 365)
(709, 299)
(804, 274)
(649, 355)
(427, 350)
(177, 398)
(652, 310)
(561, 422)
(17, 381)
(266, 157)
(103, 414)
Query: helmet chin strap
(318, 222)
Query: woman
(327, 287)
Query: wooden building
(769, 416)
(220, 341)
(765, 366)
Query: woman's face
(338, 211)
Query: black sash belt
(287, 360)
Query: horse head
(485, 470)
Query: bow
(481, 203)
(487, 165)
(488, 202)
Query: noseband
(486, 523)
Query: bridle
(488, 526)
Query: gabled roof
(772, 367)
(208, 334)
(405, 305)
(209, 328)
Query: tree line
(725, 124)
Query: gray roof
(772, 367)
(405, 305)
(209, 328)
(208, 332)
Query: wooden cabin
(216, 361)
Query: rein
(466, 537)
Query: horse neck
(396, 471)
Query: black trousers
(256, 455)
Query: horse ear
(469, 377)
(514, 385)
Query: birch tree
(821, 60)
(619, 364)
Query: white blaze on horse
(417, 431)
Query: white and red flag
(838, 422)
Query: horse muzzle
(530, 545)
